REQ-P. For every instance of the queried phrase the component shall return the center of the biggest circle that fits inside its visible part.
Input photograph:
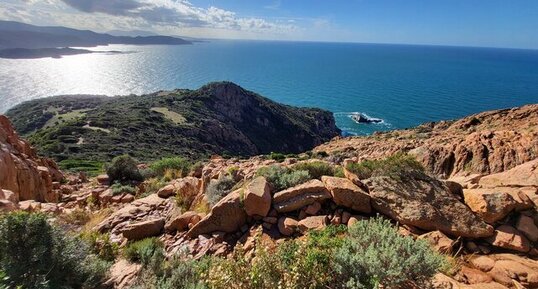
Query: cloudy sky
(496, 23)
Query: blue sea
(402, 84)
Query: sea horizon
(419, 83)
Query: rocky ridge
(23, 174)
(218, 118)
(485, 215)
(484, 143)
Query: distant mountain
(131, 33)
(20, 35)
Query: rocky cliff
(220, 118)
(22, 171)
(483, 143)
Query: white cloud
(173, 16)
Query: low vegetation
(375, 255)
(35, 254)
(123, 169)
(118, 189)
(396, 166)
(101, 245)
(144, 251)
(218, 189)
(317, 169)
(370, 255)
(92, 168)
(282, 178)
(180, 166)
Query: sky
(489, 23)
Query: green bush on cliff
(173, 274)
(218, 189)
(34, 254)
(149, 252)
(316, 169)
(118, 188)
(282, 178)
(375, 254)
(179, 164)
(123, 169)
(293, 264)
(396, 166)
(101, 245)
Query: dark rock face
(219, 118)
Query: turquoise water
(403, 85)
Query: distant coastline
(24, 41)
(26, 53)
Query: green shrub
(282, 178)
(339, 172)
(3, 280)
(118, 188)
(218, 189)
(375, 254)
(396, 166)
(173, 163)
(316, 169)
(279, 157)
(34, 254)
(123, 169)
(147, 173)
(174, 274)
(101, 245)
(149, 252)
(294, 264)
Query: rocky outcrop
(347, 194)
(508, 237)
(144, 229)
(524, 175)
(490, 205)
(8, 201)
(187, 188)
(227, 216)
(136, 217)
(123, 274)
(426, 204)
(22, 171)
(299, 196)
(484, 143)
(257, 197)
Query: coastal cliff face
(484, 143)
(22, 171)
(219, 118)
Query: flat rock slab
(345, 193)
(227, 216)
(425, 203)
(295, 198)
(524, 175)
(145, 229)
(508, 237)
